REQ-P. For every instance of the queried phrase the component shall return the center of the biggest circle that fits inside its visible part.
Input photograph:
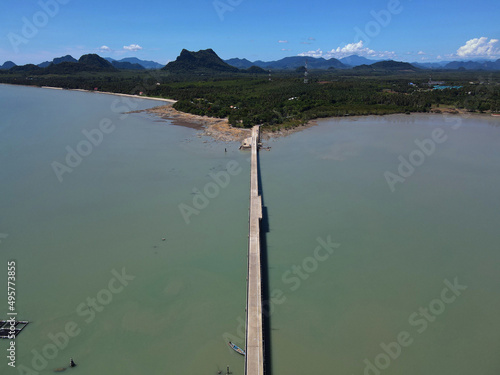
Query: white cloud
(132, 47)
(421, 53)
(286, 49)
(348, 50)
(317, 53)
(104, 49)
(479, 47)
(311, 38)
(282, 41)
(352, 49)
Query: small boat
(496, 114)
(236, 348)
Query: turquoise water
(186, 294)
(110, 212)
(443, 87)
(396, 248)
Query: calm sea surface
(88, 194)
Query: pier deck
(254, 359)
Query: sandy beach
(221, 130)
(113, 93)
(217, 128)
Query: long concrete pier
(254, 359)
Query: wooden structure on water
(6, 328)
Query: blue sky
(404, 30)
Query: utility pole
(306, 73)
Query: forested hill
(96, 62)
(86, 63)
(203, 84)
(387, 66)
(201, 62)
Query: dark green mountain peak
(95, 61)
(201, 62)
(392, 65)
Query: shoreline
(96, 92)
(217, 128)
(220, 130)
(111, 93)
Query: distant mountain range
(125, 65)
(467, 65)
(134, 60)
(354, 61)
(294, 62)
(206, 61)
(128, 63)
(86, 63)
(7, 65)
(433, 65)
(239, 63)
(289, 63)
(474, 65)
(58, 60)
(387, 66)
(91, 62)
